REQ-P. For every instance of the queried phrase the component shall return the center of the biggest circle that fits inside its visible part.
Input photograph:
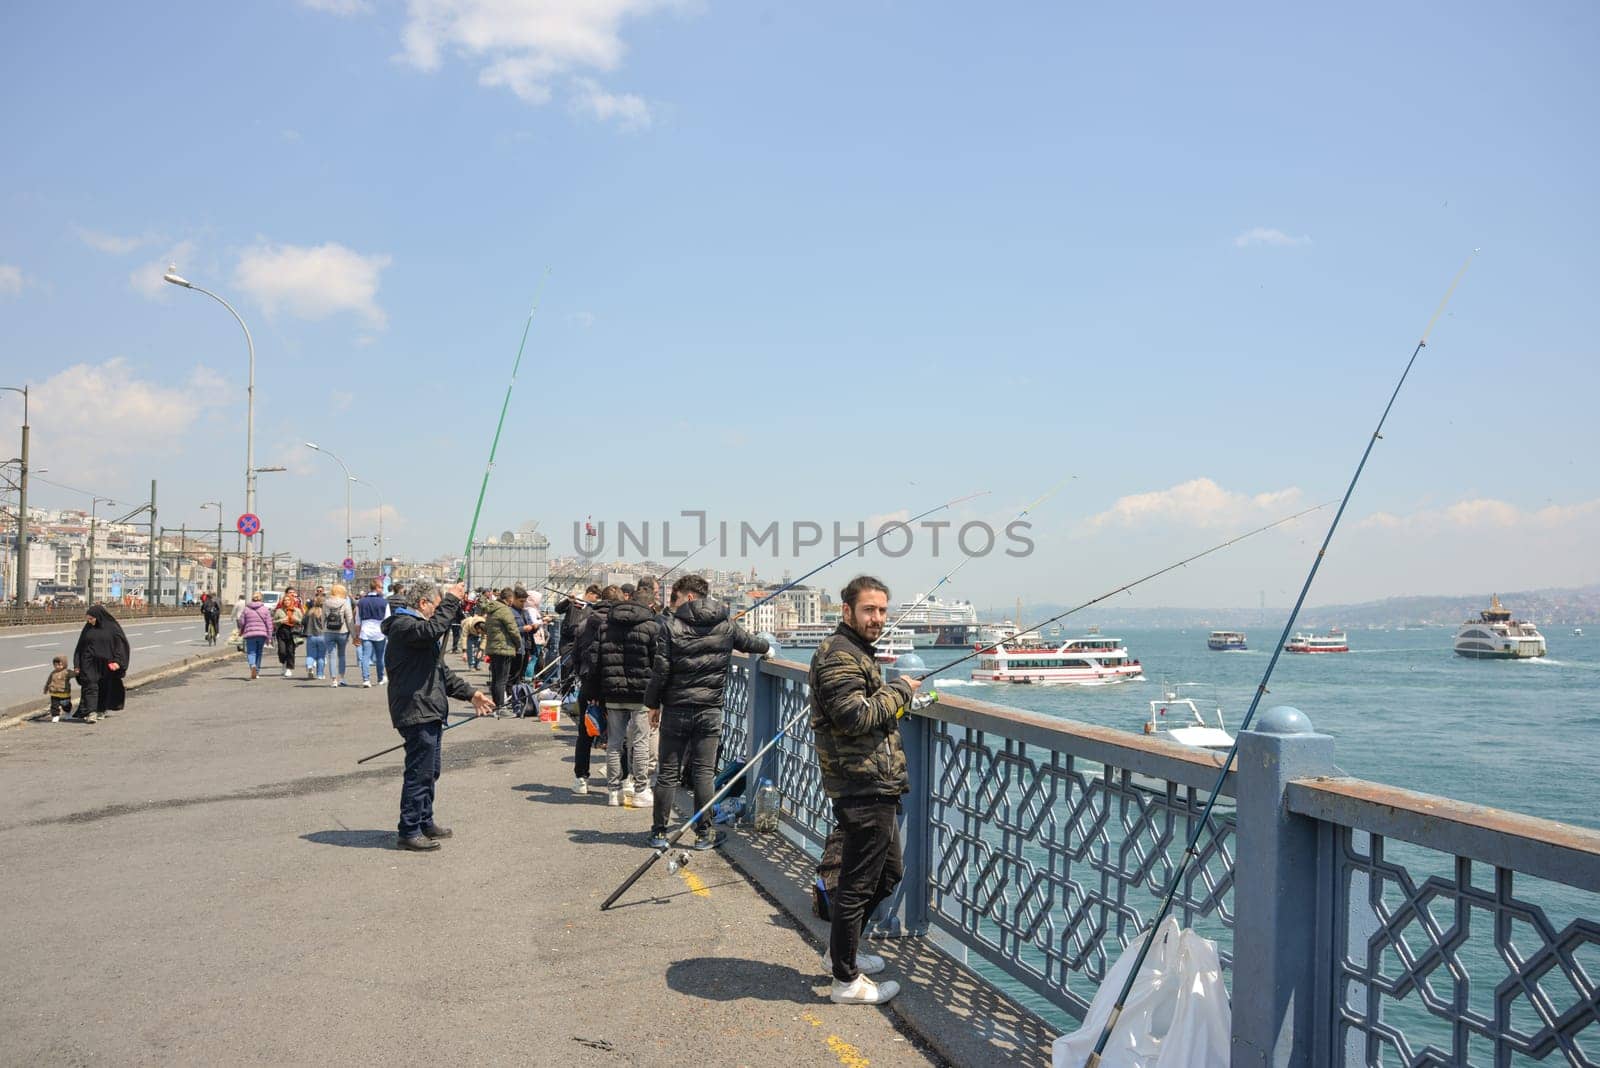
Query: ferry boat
(1226, 640)
(806, 635)
(1078, 661)
(995, 633)
(1494, 635)
(1331, 642)
(1181, 720)
(891, 644)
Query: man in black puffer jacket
(592, 622)
(685, 698)
(630, 649)
(420, 687)
(573, 611)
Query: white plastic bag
(1176, 1015)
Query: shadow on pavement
(733, 979)
(563, 795)
(638, 838)
(354, 839)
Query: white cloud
(10, 280)
(1262, 235)
(1484, 513)
(1199, 502)
(525, 45)
(313, 282)
(629, 111)
(147, 278)
(339, 7)
(114, 244)
(71, 410)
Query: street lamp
(348, 478)
(176, 279)
(94, 504)
(22, 502)
(254, 582)
(375, 490)
(218, 506)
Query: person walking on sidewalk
(589, 633)
(101, 659)
(371, 611)
(685, 699)
(287, 617)
(420, 686)
(211, 612)
(255, 627)
(855, 716)
(503, 645)
(337, 618)
(316, 636)
(631, 648)
(58, 687)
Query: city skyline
(1181, 259)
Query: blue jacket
(371, 606)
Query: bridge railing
(1037, 848)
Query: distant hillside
(1579, 606)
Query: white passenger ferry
(1079, 661)
(1332, 642)
(891, 643)
(1227, 640)
(1494, 635)
(806, 635)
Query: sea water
(1403, 709)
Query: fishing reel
(674, 864)
(918, 703)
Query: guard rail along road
(1381, 925)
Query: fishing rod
(483, 488)
(1190, 851)
(1236, 539)
(920, 601)
(786, 587)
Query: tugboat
(1494, 635)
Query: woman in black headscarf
(102, 660)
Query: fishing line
(1236, 539)
(1190, 851)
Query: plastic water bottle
(766, 807)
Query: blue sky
(826, 262)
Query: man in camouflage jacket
(855, 718)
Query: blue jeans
(316, 653)
(423, 749)
(372, 656)
(336, 644)
(252, 651)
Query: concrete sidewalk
(209, 877)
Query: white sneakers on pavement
(614, 798)
(866, 963)
(366, 684)
(288, 673)
(642, 799)
(863, 992)
(580, 786)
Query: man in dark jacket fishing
(419, 690)
(685, 699)
(630, 649)
(573, 611)
(582, 644)
(855, 718)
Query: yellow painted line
(696, 887)
(810, 1017)
(848, 1055)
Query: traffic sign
(249, 525)
(348, 564)
(349, 574)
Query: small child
(59, 687)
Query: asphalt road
(209, 877)
(25, 655)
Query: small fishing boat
(1091, 661)
(1226, 640)
(1494, 635)
(1180, 719)
(1332, 642)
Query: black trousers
(423, 753)
(502, 673)
(688, 750)
(871, 869)
(455, 636)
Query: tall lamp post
(22, 502)
(176, 279)
(218, 506)
(348, 478)
(263, 535)
(94, 504)
(375, 490)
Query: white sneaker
(863, 991)
(384, 681)
(643, 799)
(580, 786)
(366, 684)
(613, 798)
(627, 787)
(866, 963)
(288, 673)
(334, 682)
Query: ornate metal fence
(1382, 926)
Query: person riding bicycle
(211, 612)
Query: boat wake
(945, 684)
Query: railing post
(761, 713)
(1276, 893)
(906, 911)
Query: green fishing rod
(1191, 850)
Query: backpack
(334, 619)
(521, 700)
